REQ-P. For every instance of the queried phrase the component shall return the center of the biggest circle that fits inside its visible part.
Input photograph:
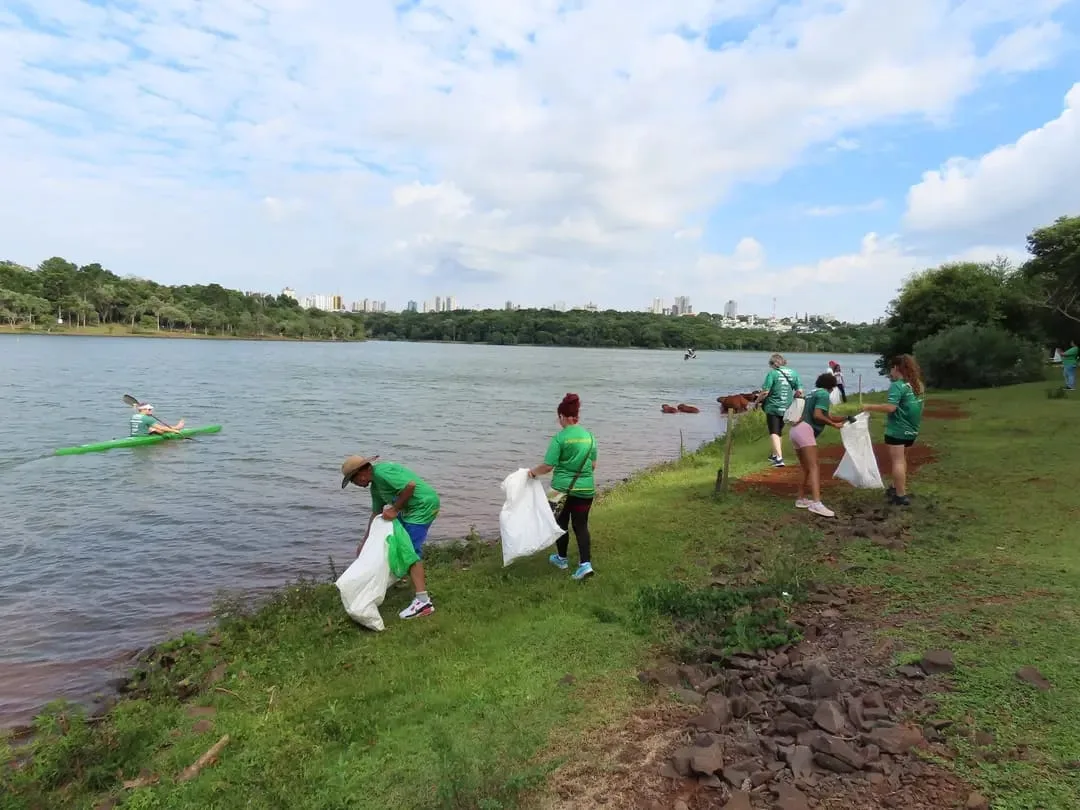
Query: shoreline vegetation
(91, 300)
(517, 692)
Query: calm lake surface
(107, 552)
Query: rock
(789, 725)
(803, 708)
(937, 662)
(720, 706)
(789, 797)
(735, 777)
(680, 760)
(825, 686)
(911, 671)
(680, 805)
(831, 763)
(800, 759)
(1031, 675)
(895, 739)
(200, 711)
(984, 739)
(694, 676)
(708, 721)
(976, 801)
(711, 781)
(669, 771)
(742, 662)
(707, 761)
(688, 696)
(759, 778)
(830, 717)
(740, 800)
(837, 749)
(202, 726)
(665, 676)
(849, 639)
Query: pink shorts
(802, 435)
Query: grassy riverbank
(475, 706)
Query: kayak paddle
(134, 403)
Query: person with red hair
(571, 456)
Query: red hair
(570, 406)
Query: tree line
(90, 295)
(993, 323)
(610, 329)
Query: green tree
(1053, 274)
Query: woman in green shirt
(1068, 365)
(571, 455)
(904, 407)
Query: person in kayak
(143, 422)
(398, 493)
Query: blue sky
(539, 151)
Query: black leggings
(576, 512)
(843, 393)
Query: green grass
(468, 708)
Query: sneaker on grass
(803, 503)
(418, 607)
(559, 562)
(820, 509)
(584, 570)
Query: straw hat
(353, 465)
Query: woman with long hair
(904, 407)
(804, 439)
(571, 455)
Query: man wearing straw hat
(398, 493)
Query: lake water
(107, 552)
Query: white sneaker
(818, 508)
(418, 608)
(803, 503)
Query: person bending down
(398, 493)
(804, 439)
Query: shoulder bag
(558, 501)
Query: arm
(886, 407)
(540, 469)
(835, 421)
(390, 512)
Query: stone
(680, 760)
(789, 797)
(873, 700)
(829, 717)
(984, 738)
(694, 676)
(801, 707)
(831, 763)
(789, 725)
(735, 777)
(669, 771)
(895, 740)
(720, 706)
(825, 686)
(1032, 676)
(801, 761)
(707, 760)
(202, 726)
(740, 800)
(938, 662)
(688, 696)
(665, 676)
(839, 750)
(711, 781)
(976, 801)
(680, 805)
(911, 671)
(849, 639)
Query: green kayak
(135, 441)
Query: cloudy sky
(538, 150)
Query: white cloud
(1002, 195)
(838, 210)
(396, 154)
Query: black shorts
(894, 442)
(775, 423)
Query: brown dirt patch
(785, 480)
(764, 726)
(944, 409)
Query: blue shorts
(418, 534)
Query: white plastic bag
(525, 520)
(835, 398)
(794, 413)
(364, 583)
(858, 466)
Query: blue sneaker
(583, 570)
(559, 562)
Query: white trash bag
(835, 398)
(526, 523)
(364, 583)
(859, 466)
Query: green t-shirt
(1068, 357)
(140, 424)
(904, 422)
(389, 479)
(781, 390)
(818, 400)
(570, 448)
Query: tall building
(289, 292)
(731, 310)
(682, 306)
(451, 303)
(657, 307)
(412, 307)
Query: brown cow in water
(669, 409)
(682, 408)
